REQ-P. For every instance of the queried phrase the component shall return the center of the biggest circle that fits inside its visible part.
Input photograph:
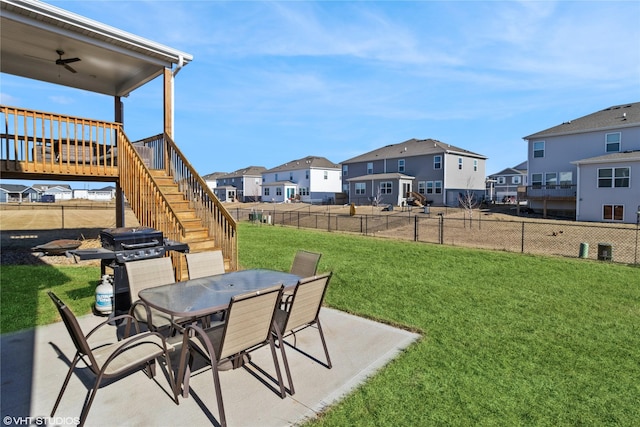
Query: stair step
(201, 245)
(196, 234)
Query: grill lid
(123, 238)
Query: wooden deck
(162, 188)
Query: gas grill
(127, 244)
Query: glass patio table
(211, 294)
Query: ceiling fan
(65, 62)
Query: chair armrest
(146, 310)
(116, 318)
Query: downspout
(578, 198)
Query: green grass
(508, 339)
(24, 299)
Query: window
(438, 185)
(386, 187)
(502, 180)
(437, 162)
(566, 179)
(621, 178)
(326, 175)
(460, 163)
(422, 187)
(401, 165)
(361, 188)
(612, 142)
(550, 179)
(536, 180)
(605, 178)
(290, 176)
(538, 149)
(278, 191)
(345, 188)
(306, 174)
(613, 177)
(276, 177)
(613, 212)
(303, 191)
(475, 166)
(516, 179)
(345, 170)
(369, 168)
(429, 187)
(266, 191)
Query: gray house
(18, 193)
(243, 185)
(503, 186)
(311, 179)
(424, 169)
(584, 168)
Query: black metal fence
(605, 242)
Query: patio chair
(305, 264)
(303, 310)
(109, 361)
(248, 327)
(202, 264)
(146, 274)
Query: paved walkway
(35, 362)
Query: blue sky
(276, 81)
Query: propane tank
(104, 295)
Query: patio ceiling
(112, 62)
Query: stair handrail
(143, 193)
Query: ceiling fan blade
(68, 67)
(70, 60)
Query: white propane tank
(104, 295)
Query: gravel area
(20, 255)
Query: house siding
(591, 199)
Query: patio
(34, 363)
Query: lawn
(508, 339)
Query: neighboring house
(211, 179)
(587, 164)
(243, 185)
(105, 194)
(311, 179)
(18, 193)
(609, 188)
(503, 186)
(436, 172)
(58, 191)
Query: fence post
(62, 209)
(522, 240)
(441, 228)
(298, 219)
(415, 228)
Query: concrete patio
(35, 362)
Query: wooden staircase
(195, 234)
(166, 193)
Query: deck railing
(221, 226)
(35, 142)
(551, 191)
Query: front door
(291, 192)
